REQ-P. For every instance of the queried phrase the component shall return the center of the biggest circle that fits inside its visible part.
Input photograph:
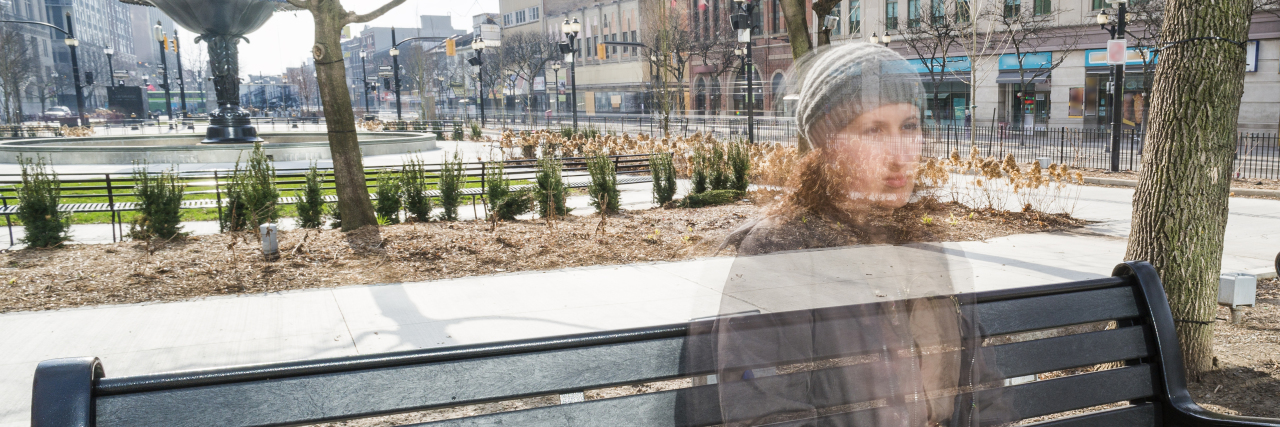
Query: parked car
(54, 113)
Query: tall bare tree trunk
(796, 15)
(331, 76)
(1180, 206)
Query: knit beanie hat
(837, 83)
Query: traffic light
(386, 84)
(600, 53)
(450, 48)
(473, 61)
(88, 79)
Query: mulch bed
(1247, 357)
(232, 263)
(1236, 184)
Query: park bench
(1149, 380)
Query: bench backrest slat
(333, 396)
(1071, 351)
(1061, 394)
(1051, 311)
(1142, 414)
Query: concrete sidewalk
(148, 338)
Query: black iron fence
(113, 194)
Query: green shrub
(663, 172)
(451, 177)
(566, 132)
(310, 200)
(252, 193)
(159, 204)
(457, 131)
(388, 205)
(419, 125)
(38, 198)
(738, 158)
(505, 204)
(551, 190)
(413, 183)
(603, 190)
(718, 175)
(589, 132)
(710, 198)
(698, 171)
(475, 131)
(438, 127)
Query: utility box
(1236, 289)
(270, 241)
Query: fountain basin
(171, 149)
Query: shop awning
(1026, 77)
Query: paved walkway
(148, 338)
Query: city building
(99, 25)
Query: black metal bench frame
(75, 392)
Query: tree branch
(353, 18)
(301, 4)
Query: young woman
(860, 326)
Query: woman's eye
(910, 126)
(871, 130)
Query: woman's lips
(895, 181)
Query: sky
(285, 40)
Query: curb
(1132, 183)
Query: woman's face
(885, 144)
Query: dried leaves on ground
(232, 263)
(1246, 380)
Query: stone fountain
(222, 24)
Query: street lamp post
(1117, 80)
(742, 23)
(158, 32)
(478, 46)
(365, 71)
(395, 70)
(555, 66)
(73, 43)
(182, 86)
(571, 30)
(111, 66)
(884, 40)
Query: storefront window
(946, 102)
(1024, 106)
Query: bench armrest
(62, 393)
(1191, 414)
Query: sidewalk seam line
(344, 321)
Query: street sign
(1116, 53)
(450, 49)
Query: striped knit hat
(837, 83)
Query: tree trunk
(348, 163)
(1180, 205)
(796, 15)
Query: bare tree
(1029, 31)
(982, 41)
(17, 70)
(670, 43)
(305, 78)
(348, 164)
(525, 55)
(932, 39)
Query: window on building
(774, 16)
(533, 13)
(913, 13)
(891, 15)
(614, 39)
(835, 12)
(938, 11)
(963, 10)
(635, 50)
(1044, 7)
(855, 16)
(1099, 4)
(520, 17)
(1012, 8)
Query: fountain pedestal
(229, 124)
(222, 24)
